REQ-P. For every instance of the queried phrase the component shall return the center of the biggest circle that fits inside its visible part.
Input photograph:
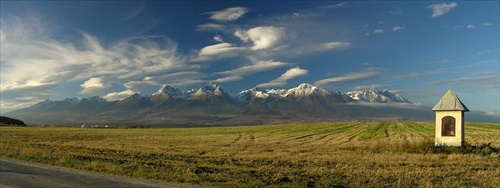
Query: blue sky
(56, 50)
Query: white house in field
(450, 120)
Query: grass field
(387, 154)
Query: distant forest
(10, 121)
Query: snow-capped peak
(210, 93)
(374, 95)
(247, 95)
(210, 89)
(171, 92)
(304, 89)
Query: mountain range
(212, 105)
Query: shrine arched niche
(448, 126)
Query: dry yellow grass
(397, 154)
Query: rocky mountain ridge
(211, 104)
(214, 93)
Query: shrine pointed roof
(450, 101)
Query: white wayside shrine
(450, 120)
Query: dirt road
(14, 173)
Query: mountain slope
(210, 93)
(212, 105)
(168, 94)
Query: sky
(419, 49)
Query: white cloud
(338, 5)
(378, 30)
(262, 37)
(487, 24)
(367, 73)
(297, 15)
(397, 28)
(413, 75)
(493, 113)
(22, 101)
(50, 62)
(218, 38)
(471, 27)
(210, 27)
(94, 85)
(229, 78)
(33, 61)
(483, 52)
(174, 79)
(118, 95)
(256, 67)
(2, 36)
(332, 45)
(229, 14)
(282, 80)
(440, 9)
(218, 49)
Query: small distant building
(450, 120)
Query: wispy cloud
(282, 80)
(482, 80)
(210, 27)
(256, 67)
(176, 79)
(218, 38)
(483, 52)
(333, 45)
(471, 27)
(378, 30)
(338, 5)
(441, 9)
(364, 74)
(32, 60)
(412, 75)
(230, 78)
(229, 14)
(397, 28)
